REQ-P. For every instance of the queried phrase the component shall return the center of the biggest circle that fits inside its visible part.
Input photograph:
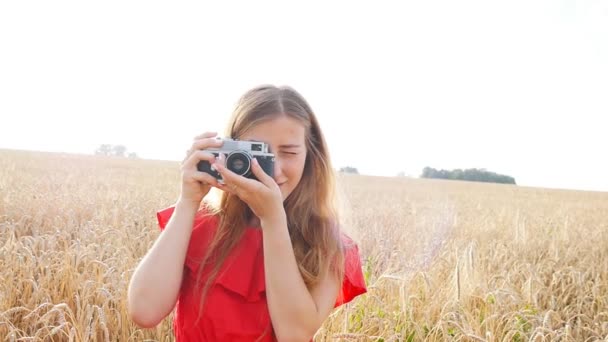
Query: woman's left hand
(263, 197)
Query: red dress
(235, 308)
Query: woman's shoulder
(347, 240)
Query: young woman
(268, 263)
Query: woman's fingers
(203, 143)
(192, 161)
(203, 177)
(262, 176)
(205, 135)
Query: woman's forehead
(275, 143)
(279, 133)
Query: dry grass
(444, 260)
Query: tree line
(475, 175)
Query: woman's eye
(292, 153)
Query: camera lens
(238, 162)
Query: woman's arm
(155, 284)
(295, 312)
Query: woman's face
(286, 137)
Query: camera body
(239, 156)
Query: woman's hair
(311, 208)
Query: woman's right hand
(196, 184)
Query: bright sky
(516, 87)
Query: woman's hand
(196, 184)
(263, 197)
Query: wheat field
(443, 260)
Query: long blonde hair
(311, 208)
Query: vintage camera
(239, 155)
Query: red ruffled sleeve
(353, 284)
(164, 215)
(202, 233)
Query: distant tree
(401, 174)
(475, 175)
(349, 169)
(114, 150)
(428, 172)
(119, 150)
(104, 150)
